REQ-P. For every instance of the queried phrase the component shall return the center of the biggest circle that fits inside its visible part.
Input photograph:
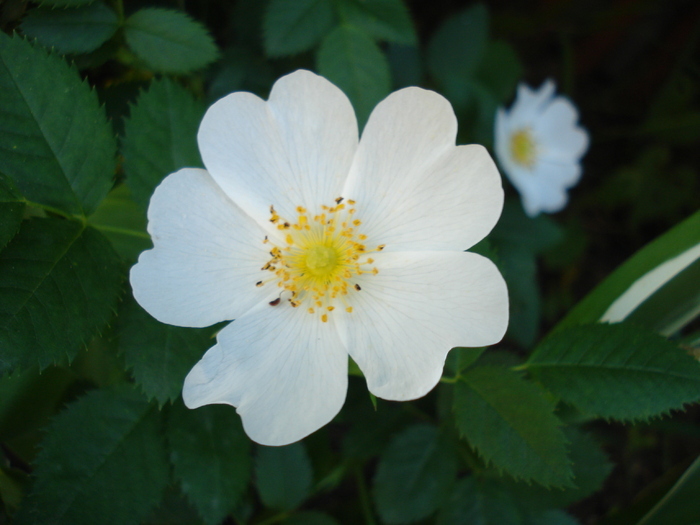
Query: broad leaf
(121, 220)
(512, 425)
(11, 210)
(59, 284)
(616, 371)
(680, 239)
(159, 355)
(103, 461)
(57, 146)
(414, 475)
(210, 454)
(169, 41)
(283, 475)
(79, 30)
(160, 137)
(479, 502)
(66, 3)
(350, 59)
(294, 26)
(387, 20)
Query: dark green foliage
(159, 355)
(60, 282)
(58, 146)
(512, 425)
(479, 502)
(350, 59)
(616, 371)
(387, 20)
(283, 475)
(414, 475)
(310, 518)
(79, 30)
(199, 439)
(11, 209)
(122, 469)
(160, 137)
(169, 41)
(293, 26)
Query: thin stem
(123, 231)
(364, 497)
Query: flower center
(320, 258)
(523, 148)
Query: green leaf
(59, 283)
(511, 424)
(11, 210)
(680, 505)
(310, 518)
(414, 475)
(159, 355)
(457, 49)
(210, 454)
(160, 137)
(479, 502)
(169, 41)
(58, 146)
(499, 70)
(294, 26)
(120, 220)
(616, 371)
(79, 30)
(66, 3)
(682, 238)
(350, 59)
(550, 517)
(387, 20)
(283, 475)
(103, 461)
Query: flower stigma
(319, 258)
(523, 147)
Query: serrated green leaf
(457, 49)
(294, 26)
(479, 502)
(350, 59)
(65, 3)
(159, 355)
(387, 20)
(240, 69)
(173, 509)
(58, 146)
(59, 283)
(616, 371)
(11, 210)
(210, 454)
(79, 30)
(169, 41)
(121, 220)
(160, 137)
(283, 475)
(103, 461)
(512, 425)
(662, 249)
(414, 475)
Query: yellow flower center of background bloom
(320, 259)
(523, 148)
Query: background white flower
(539, 145)
(320, 246)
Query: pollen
(523, 147)
(317, 260)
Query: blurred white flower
(320, 247)
(539, 146)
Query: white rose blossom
(321, 246)
(539, 145)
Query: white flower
(539, 145)
(321, 247)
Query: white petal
(419, 306)
(206, 258)
(416, 190)
(530, 103)
(556, 130)
(283, 368)
(294, 150)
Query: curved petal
(557, 131)
(294, 150)
(416, 190)
(206, 258)
(544, 188)
(530, 103)
(284, 369)
(418, 307)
